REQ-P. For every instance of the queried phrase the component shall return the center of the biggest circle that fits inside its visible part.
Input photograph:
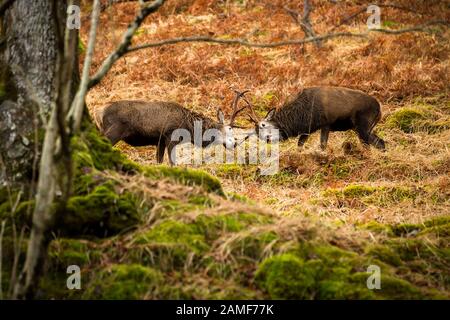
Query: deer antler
(236, 111)
(253, 117)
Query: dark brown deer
(326, 109)
(141, 123)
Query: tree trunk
(28, 61)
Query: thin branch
(364, 9)
(76, 110)
(304, 21)
(420, 28)
(5, 6)
(244, 42)
(122, 49)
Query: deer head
(227, 134)
(264, 127)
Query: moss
(327, 272)
(393, 287)
(405, 119)
(419, 118)
(91, 150)
(103, 212)
(212, 226)
(66, 252)
(169, 245)
(384, 253)
(377, 227)
(286, 277)
(201, 200)
(120, 282)
(251, 245)
(380, 195)
(186, 176)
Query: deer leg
(302, 139)
(160, 149)
(324, 133)
(172, 157)
(377, 142)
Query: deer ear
(270, 115)
(220, 116)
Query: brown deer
(141, 123)
(326, 109)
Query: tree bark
(28, 60)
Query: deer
(323, 108)
(140, 123)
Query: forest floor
(408, 73)
(312, 229)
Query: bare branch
(364, 9)
(76, 110)
(243, 42)
(122, 49)
(304, 21)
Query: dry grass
(410, 69)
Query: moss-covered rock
(405, 119)
(103, 212)
(286, 277)
(123, 281)
(185, 176)
(414, 119)
(65, 252)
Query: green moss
(286, 277)
(212, 226)
(169, 244)
(419, 118)
(120, 282)
(381, 196)
(384, 253)
(252, 245)
(103, 212)
(201, 200)
(405, 119)
(393, 287)
(376, 227)
(66, 252)
(92, 150)
(185, 176)
(174, 232)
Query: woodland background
(138, 230)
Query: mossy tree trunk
(41, 67)
(32, 31)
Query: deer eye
(263, 124)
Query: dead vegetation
(379, 201)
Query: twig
(364, 9)
(245, 42)
(420, 28)
(122, 49)
(76, 110)
(304, 21)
